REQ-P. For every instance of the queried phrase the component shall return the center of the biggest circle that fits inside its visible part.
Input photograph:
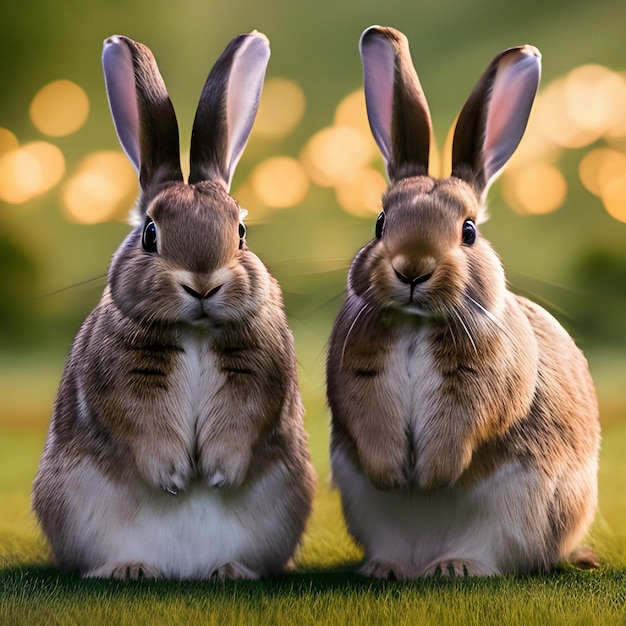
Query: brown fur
(180, 397)
(446, 383)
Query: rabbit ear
(142, 111)
(227, 108)
(493, 120)
(396, 107)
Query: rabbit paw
(457, 568)
(223, 469)
(437, 467)
(125, 571)
(233, 571)
(381, 570)
(384, 473)
(171, 475)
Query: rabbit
(464, 421)
(176, 447)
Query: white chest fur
(410, 377)
(196, 381)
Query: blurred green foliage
(51, 270)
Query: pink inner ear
(378, 56)
(243, 95)
(119, 78)
(511, 99)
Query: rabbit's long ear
(492, 122)
(142, 111)
(396, 107)
(227, 108)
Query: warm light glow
(280, 182)
(335, 153)
(582, 107)
(614, 198)
(594, 97)
(360, 193)
(60, 108)
(535, 189)
(30, 171)
(554, 122)
(281, 108)
(102, 189)
(351, 112)
(600, 168)
(8, 141)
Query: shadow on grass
(44, 580)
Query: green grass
(324, 590)
(41, 595)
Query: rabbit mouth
(414, 307)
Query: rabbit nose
(201, 296)
(412, 273)
(418, 280)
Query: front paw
(440, 466)
(171, 474)
(385, 474)
(224, 469)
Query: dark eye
(242, 234)
(149, 237)
(469, 232)
(380, 223)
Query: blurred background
(311, 176)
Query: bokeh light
(601, 167)
(281, 108)
(59, 108)
(581, 109)
(102, 189)
(603, 173)
(614, 198)
(29, 171)
(8, 141)
(536, 189)
(595, 97)
(351, 111)
(280, 182)
(360, 193)
(334, 153)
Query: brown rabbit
(176, 447)
(465, 427)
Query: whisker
(82, 283)
(490, 316)
(354, 321)
(456, 313)
(456, 348)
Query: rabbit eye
(149, 237)
(469, 232)
(380, 223)
(242, 234)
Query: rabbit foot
(381, 570)
(216, 480)
(584, 558)
(125, 571)
(457, 568)
(233, 571)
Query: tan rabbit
(176, 447)
(465, 427)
